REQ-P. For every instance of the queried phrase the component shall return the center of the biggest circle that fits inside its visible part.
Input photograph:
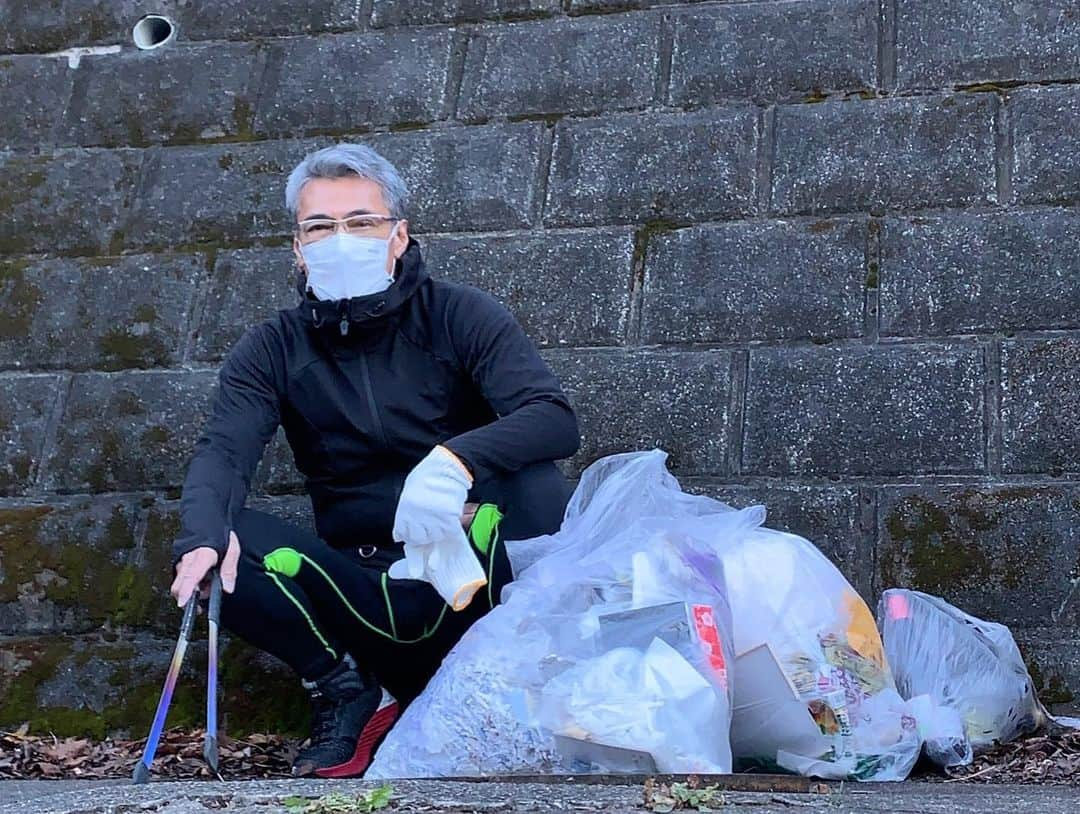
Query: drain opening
(152, 31)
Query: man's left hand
(432, 499)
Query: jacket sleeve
(535, 420)
(243, 417)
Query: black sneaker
(347, 723)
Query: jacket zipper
(371, 400)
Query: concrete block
(586, 6)
(25, 405)
(769, 51)
(29, 27)
(977, 273)
(560, 66)
(864, 410)
(350, 82)
(129, 431)
(885, 154)
(246, 287)
(234, 20)
(107, 313)
(107, 683)
(1053, 660)
(565, 288)
(413, 12)
(33, 94)
(1046, 142)
(468, 178)
(1008, 552)
(755, 280)
(94, 188)
(74, 564)
(633, 168)
(221, 193)
(1039, 405)
(187, 94)
(940, 44)
(629, 401)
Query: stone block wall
(823, 252)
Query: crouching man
(426, 426)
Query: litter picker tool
(210, 745)
(142, 769)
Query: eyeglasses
(314, 229)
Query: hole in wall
(152, 31)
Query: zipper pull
(344, 325)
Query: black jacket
(364, 388)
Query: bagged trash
(610, 651)
(627, 635)
(813, 691)
(963, 663)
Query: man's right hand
(193, 567)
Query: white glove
(428, 521)
(450, 566)
(432, 500)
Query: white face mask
(344, 265)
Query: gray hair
(340, 160)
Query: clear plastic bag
(610, 649)
(964, 664)
(813, 691)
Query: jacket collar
(369, 313)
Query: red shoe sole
(370, 736)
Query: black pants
(308, 603)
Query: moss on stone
(926, 541)
(134, 597)
(257, 700)
(20, 468)
(99, 474)
(121, 348)
(645, 234)
(242, 118)
(990, 87)
(96, 576)
(19, 702)
(135, 712)
(126, 402)
(872, 274)
(405, 127)
(255, 696)
(116, 242)
(145, 313)
(19, 531)
(939, 548)
(20, 301)
(118, 534)
(1051, 689)
(131, 712)
(152, 438)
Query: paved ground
(432, 797)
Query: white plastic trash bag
(813, 691)
(677, 712)
(610, 651)
(962, 663)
